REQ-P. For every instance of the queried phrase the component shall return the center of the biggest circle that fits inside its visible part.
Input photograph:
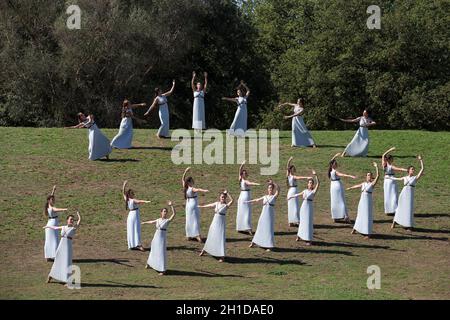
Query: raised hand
(314, 172)
(193, 74)
(169, 203)
(419, 157)
(205, 74)
(375, 164)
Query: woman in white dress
(364, 218)
(293, 203)
(359, 146)
(161, 101)
(199, 91)
(239, 125)
(337, 194)
(61, 269)
(216, 241)
(51, 235)
(192, 210)
(99, 145)
(264, 235)
(133, 219)
(157, 258)
(124, 139)
(404, 214)
(244, 209)
(306, 227)
(390, 185)
(300, 134)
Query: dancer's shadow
(352, 245)
(396, 156)
(383, 220)
(118, 160)
(114, 261)
(180, 248)
(310, 249)
(152, 148)
(431, 215)
(202, 274)
(117, 285)
(285, 233)
(240, 239)
(254, 260)
(329, 146)
(405, 237)
(330, 226)
(431, 230)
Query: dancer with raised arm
(404, 214)
(264, 235)
(306, 227)
(239, 125)
(364, 218)
(244, 209)
(124, 139)
(51, 235)
(199, 91)
(300, 134)
(390, 185)
(157, 258)
(359, 146)
(337, 194)
(192, 210)
(99, 145)
(133, 219)
(62, 266)
(161, 101)
(293, 203)
(216, 241)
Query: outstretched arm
(340, 174)
(174, 213)
(149, 222)
(246, 88)
(200, 190)
(377, 174)
(254, 200)
(154, 104)
(293, 115)
(350, 120)
(183, 179)
(419, 157)
(229, 99)
(141, 201)
(134, 106)
(78, 126)
(295, 195)
(210, 205)
(286, 104)
(355, 187)
(168, 93)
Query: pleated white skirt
(216, 241)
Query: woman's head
(310, 184)
(411, 170)
(189, 181)
(157, 92)
(366, 112)
(271, 188)
(81, 117)
(244, 174)
(239, 92)
(125, 103)
(291, 169)
(389, 158)
(199, 86)
(164, 213)
(369, 177)
(223, 196)
(50, 200)
(130, 193)
(301, 102)
(70, 220)
(332, 165)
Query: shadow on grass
(240, 239)
(329, 146)
(352, 245)
(115, 261)
(310, 249)
(152, 148)
(405, 237)
(183, 248)
(431, 215)
(202, 274)
(118, 160)
(254, 260)
(424, 230)
(328, 226)
(396, 156)
(116, 285)
(383, 220)
(285, 233)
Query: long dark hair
(330, 167)
(156, 92)
(240, 175)
(49, 197)
(128, 195)
(79, 114)
(290, 168)
(186, 185)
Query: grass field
(414, 264)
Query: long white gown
(337, 196)
(163, 130)
(192, 214)
(244, 210)
(264, 235)
(306, 227)
(63, 260)
(198, 116)
(51, 236)
(364, 219)
(99, 145)
(300, 134)
(216, 242)
(404, 214)
(124, 139)
(293, 204)
(359, 146)
(239, 125)
(133, 225)
(157, 258)
(390, 190)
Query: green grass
(414, 265)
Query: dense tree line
(321, 50)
